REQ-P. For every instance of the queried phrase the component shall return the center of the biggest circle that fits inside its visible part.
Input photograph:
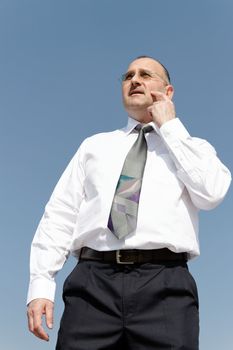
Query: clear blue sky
(59, 68)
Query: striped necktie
(123, 215)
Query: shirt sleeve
(198, 167)
(51, 244)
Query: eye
(127, 76)
(145, 75)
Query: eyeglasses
(144, 75)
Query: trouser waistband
(131, 256)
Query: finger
(40, 333)
(30, 321)
(38, 330)
(49, 315)
(158, 96)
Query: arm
(51, 244)
(198, 167)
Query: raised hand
(162, 109)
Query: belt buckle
(118, 258)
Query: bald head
(165, 73)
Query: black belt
(131, 256)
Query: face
(143, 76)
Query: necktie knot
(147, 128)
(144, 128)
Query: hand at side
(36, 309)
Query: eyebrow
(143, 70)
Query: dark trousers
(129, 307)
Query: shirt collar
(132, 123)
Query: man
(131, 288)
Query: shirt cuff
(41, 288)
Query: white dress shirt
(182, 175)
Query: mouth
(136, 92)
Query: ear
(169, 91)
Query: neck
(141, 116)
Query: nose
(135, 80)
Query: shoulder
(103, 138)
(100, 142)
